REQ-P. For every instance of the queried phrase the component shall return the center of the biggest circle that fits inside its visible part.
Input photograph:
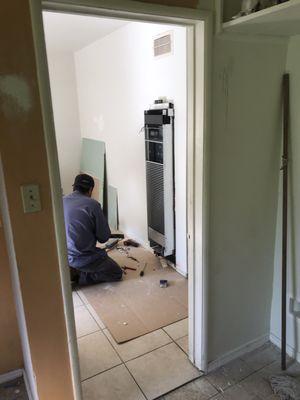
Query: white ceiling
(70, 32)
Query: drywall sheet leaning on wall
(93, 162)
(112, 207)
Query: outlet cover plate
(31, 198)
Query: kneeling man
(85, 225)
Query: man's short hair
(83, 183)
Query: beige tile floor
(144, 368)
(152, 366)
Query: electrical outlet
(31, 198)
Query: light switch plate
(31, 198)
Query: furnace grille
(155, 196)
(163, 45)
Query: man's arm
(102, 229)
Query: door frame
(199, 44)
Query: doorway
(198, 44)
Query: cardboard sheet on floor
(137, 305)
(93, 163)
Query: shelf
(280, 20)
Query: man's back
(85, 225)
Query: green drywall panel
(93, 161)
(112, 204)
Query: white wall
(293, 290)
(66, 117)
(245, 149)
(118, 78)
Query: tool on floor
(111, 244)
(142, 272)
(163, 283)
(132, 258)
(284, 169)
(130, 242)
(131, 269)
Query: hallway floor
(151, 366)
(13, 390)
(246, 378)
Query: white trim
(218, 16)
(291, 351)
(131, 10)
(4, 206)
(238, 352)
(239, 37)
(56, 191)
(27, 385)
(12, 375)
(198, 23)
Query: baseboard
(238, 352)
(10, 376)
(177, 269)
(291, 351)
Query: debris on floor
(131, 242)
(143, 268)
(287, 387)
(13, 390)
(163, 283)
(163, 262)
(111, 244)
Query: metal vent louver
(155, 196)
(163, 45)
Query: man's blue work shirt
(85, 225)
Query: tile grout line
(94, 319)
(173, 340)
(136, 382)
(181, 337)
(114, 350)
(178, 387)
(148, 352)
(88, 334)
(102, 372)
